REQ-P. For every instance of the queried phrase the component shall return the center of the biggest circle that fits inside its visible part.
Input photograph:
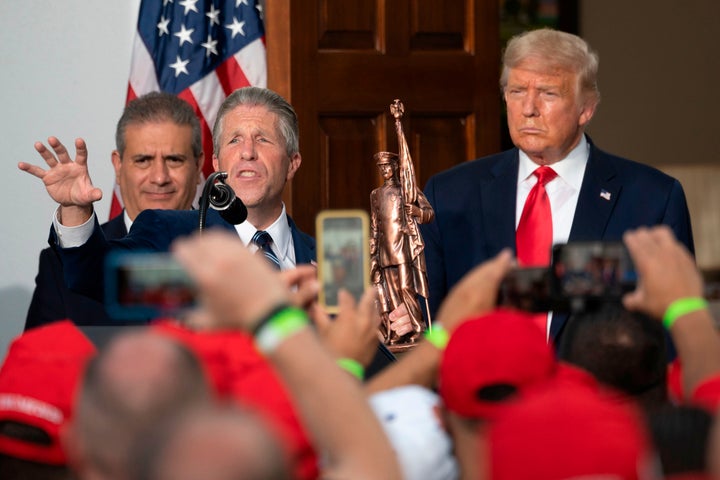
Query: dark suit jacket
(475, 212)
(53, 300)
(152, 230)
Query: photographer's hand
(303, 284)
(353, 332)
(239, 289)
(476, 293)
(667, 271)
(236, 287)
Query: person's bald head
(218, 443)
(139, 379)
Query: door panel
(342, 62)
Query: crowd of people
(258, 382)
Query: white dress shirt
(563, 191)
(282, 244)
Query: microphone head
(221, 197)
(235, 213)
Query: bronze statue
(397, 261)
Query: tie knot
(544, 174)
(261, 238)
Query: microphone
(219, 196)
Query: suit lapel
(598, 195)
(304, 249)
(498, 192)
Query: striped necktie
(263, 240)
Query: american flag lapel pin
(604, 194)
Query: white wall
(63, 71)
(659, 77)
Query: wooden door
(342, 62)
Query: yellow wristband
(353, 367)
(280, 325)
(682, 306)
(438, 336)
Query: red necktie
(534, 235)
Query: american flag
(199, 50)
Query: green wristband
(438, 336)
(353, 367)
(682, 306)
(280, 325)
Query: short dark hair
(159, 107)
(623, 349)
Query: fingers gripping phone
(343, 255)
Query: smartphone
(343, 248)
(140, 286)
(587, 273)
(582, 276)
(527, 289)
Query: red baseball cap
(240, 373)
(38, 383)
(504, 348)
(568, 431)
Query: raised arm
(670, 287)
(239, 290)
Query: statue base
(401, 347)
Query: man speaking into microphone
(255, 140)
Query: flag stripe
(254, 70)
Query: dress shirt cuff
(73, 236)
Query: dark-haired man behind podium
(157, 161)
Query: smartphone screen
(145, 285)
(602, 270)
(343, 255)
(527, 289)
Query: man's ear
(117, 163)
(295, 161)
(588, 110)
(216, 164)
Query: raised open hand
(67, 181)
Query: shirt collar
(126, 218)
(571, 168)
(279, 230)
